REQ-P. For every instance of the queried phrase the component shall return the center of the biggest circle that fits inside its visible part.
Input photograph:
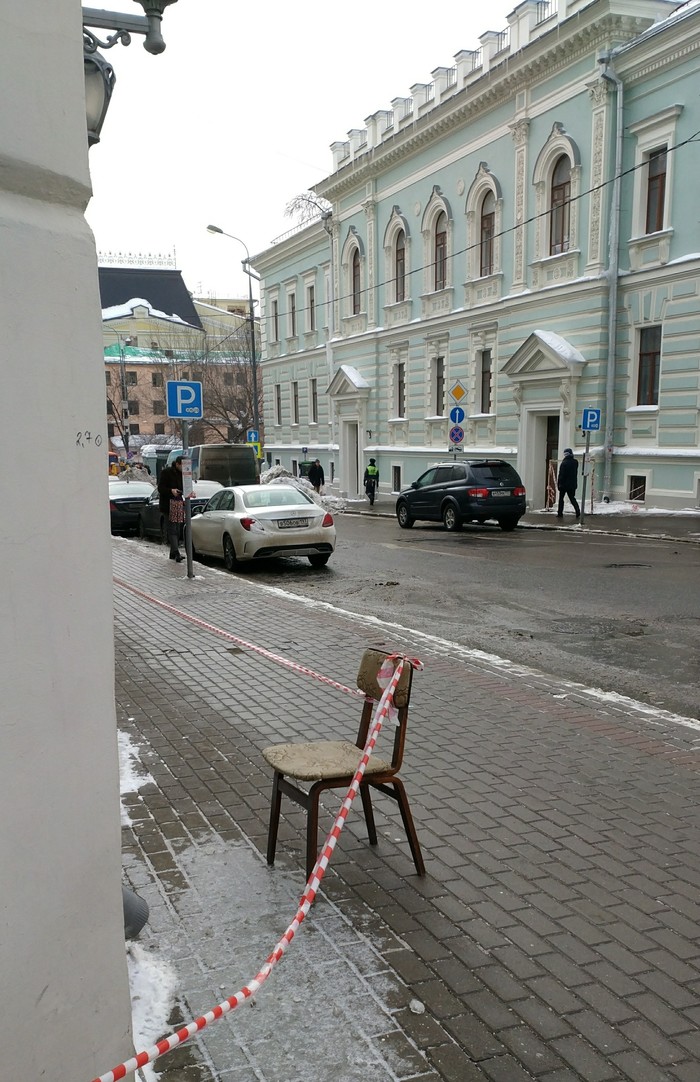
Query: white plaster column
(519, 131)
(64, 990)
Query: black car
(126, 498)
(472, 490)
(152, 522)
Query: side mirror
(414, 484)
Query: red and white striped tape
(181, 1035)
(206, 626)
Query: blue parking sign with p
(591, 420)
(184, 400)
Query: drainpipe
(327, 218)
(613, 272)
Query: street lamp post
(126, 428)
(251, 318)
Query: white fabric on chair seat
(320, 759)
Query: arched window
(356, 284)
(487, 234)
(400, 266)
(560, 205)
(440, 259)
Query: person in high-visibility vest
(371, 480)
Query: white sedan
(255, 522)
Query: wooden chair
(331, 764)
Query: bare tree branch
(306, 206)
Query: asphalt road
(615, 613)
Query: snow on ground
(131, 774)
(626, 507)
(153, 984)
(152, 980)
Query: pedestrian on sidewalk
(567, 482)
(172, 504)
(316, 475)
(371, 480)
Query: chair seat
(320, 759)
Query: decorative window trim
(483, 183)
(652, 133)
(353, 243)
(397, 223)
(559, 143)
(436, 205)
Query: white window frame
(483, 183)
(397, 224)
(437, 205)
(652, 133)
(313, 400)
(558, 144)
(294, 401)
(292, 329)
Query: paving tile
(555, 936)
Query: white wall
(63, 985)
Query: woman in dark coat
(172, 505)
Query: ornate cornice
(499, 86)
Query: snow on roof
(118, 311)
(566, 351)
(354, 376)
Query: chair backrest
(371, 663)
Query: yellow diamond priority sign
(458, 391)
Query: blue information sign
(252, 435)
(457, 415)
(591, 420)
(184, 400)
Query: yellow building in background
(154, 330)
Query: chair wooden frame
(379, 775)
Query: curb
(553, 528)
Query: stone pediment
(348, 383)
(545, 354)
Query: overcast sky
(237, 117)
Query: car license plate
(500, 492)
(290, 523)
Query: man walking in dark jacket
(316, 475)
(567, 482)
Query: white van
(227, 463)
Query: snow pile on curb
(279, 475)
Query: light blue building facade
(518, 238)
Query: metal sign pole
(584, 468)
(188, 505)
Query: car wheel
(451, 519)
(508, 523)
(405, 520)
(229, 554)
(320, 560)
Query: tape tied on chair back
(370, 665)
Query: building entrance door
(551, 459)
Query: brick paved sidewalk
(555, 936)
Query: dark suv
(472, 490)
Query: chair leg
(369, 814)
(275, 807)
(410, 829)
(312, 828)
